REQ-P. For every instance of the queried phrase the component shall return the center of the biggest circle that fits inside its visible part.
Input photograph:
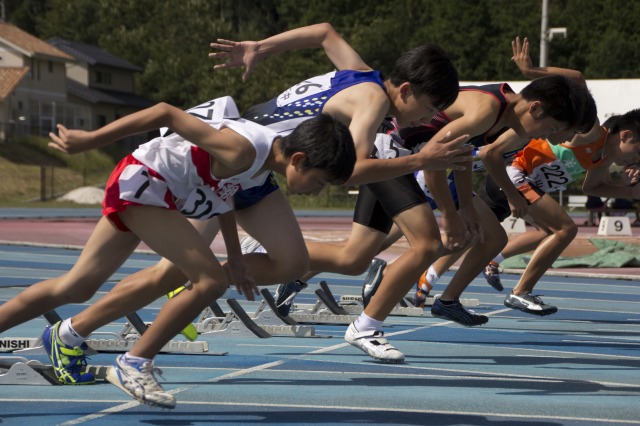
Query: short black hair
(589, 115)
(429, 72)
(627, 121)
(563, 99)
(326, 143)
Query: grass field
(30, 172)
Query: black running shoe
(285, 293)
(457, 313)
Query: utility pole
(2, 13)
(547, 34)
(544, 26)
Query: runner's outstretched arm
(249, 53)
(522, 59)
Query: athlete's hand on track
(631, 175)
(242, 278)
(237, 54)
(454, 232)
(445, 154)
(71, 141)
(472, 219)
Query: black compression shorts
(378, 203)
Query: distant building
(32, 83)
(62, 81)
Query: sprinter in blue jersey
(386, 196)
(423, 81)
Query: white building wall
(612, 96)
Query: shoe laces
(457, 304)
(75, 361)
(537, 298)
(147, 377)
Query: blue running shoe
(457, 313)
(285, 293)
(140, 383)
(372, 280)
(69, 364)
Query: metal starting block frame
(17, 370)
(324, 311)
(125, 339)
(264, 323)
(353, 304)
(327, 311)
(121, 342)
(404, 308)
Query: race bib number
(211, 112)
(308, 87)
(389, 146)
(137, 185)
(204, 202)
(551, 176)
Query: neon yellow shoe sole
(190, 331)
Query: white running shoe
(374, 344)
(141, 383)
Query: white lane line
(266, 366)
(362, 408)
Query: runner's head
(423, 82)
(320, 151)
(625, 130)
(557, 104)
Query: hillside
(21, 173)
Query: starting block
(213, 321)
(405, 308)
(17, 370)
(615, 225)
(324, 311)
(121, 342)
(264, 323)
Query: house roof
(10, 78)
(96, 96)
(91, 54)
(28, 44)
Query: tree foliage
(170, 39)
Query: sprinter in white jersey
(362, 107)
(195, 170)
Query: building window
(102, 120)
(50, 65)
(103, 78)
